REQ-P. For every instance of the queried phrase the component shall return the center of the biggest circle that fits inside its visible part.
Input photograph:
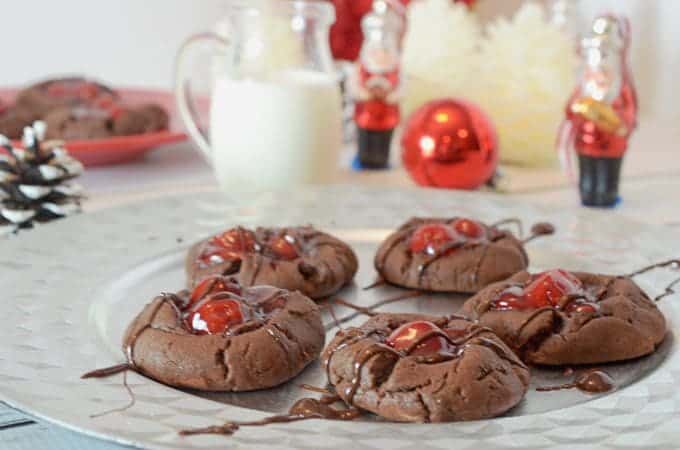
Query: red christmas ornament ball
(450, 144)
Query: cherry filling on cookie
(76, 88)
(212, 285)
(217, 315)
(283, 247)
(216, 306)
(557, 289)
(234, 244)
(420, 338)
(228, 246)
(442, 238)
(97, 99)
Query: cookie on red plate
(294, 258)
(559, 317)
(46, 96)
(80, 122)
(449, 255)
(13, 119)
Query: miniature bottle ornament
(602, 113)
(565, 15)
(346, 34)
(377, 85)
(450, 144)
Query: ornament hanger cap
(606, 32)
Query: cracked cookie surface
(459, 259)
(611, 319)
(275, 341)
(471, 375)
(294, 258)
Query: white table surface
(649, 196)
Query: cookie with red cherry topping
(13, 119)
(295, 258)
(560, 317)
(449, 255)
(144, 119)
(46, 96)
(78, 122)
(222, 337)
(418, 368)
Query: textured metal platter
(70, 289)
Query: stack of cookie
(76, 108)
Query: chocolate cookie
(224, 338)
(296, 258)
(449, 255)
(415, 368)
(144, 119)
(559, 317)
(78, 123)
(46, 96)
(13, 119)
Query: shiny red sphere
(450, 144)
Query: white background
(133, 42)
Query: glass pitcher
(275, 103)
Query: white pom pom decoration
(528, 73)
(440, 56)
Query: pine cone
(32, 181)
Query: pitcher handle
(186, 103)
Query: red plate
(120, 149)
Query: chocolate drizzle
(353, 335)
(106, 372)
(668, 291)
(336, 321)
(370, 311)
(362, 309)
(319, 390)
(512, 220)
(360, 361)
(675, 263)
(540, 229)
(591, 382)
(304, 409)
(378, 282)
(440, 253)
(129, 354)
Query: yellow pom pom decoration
(440, 55)
(528, 73)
